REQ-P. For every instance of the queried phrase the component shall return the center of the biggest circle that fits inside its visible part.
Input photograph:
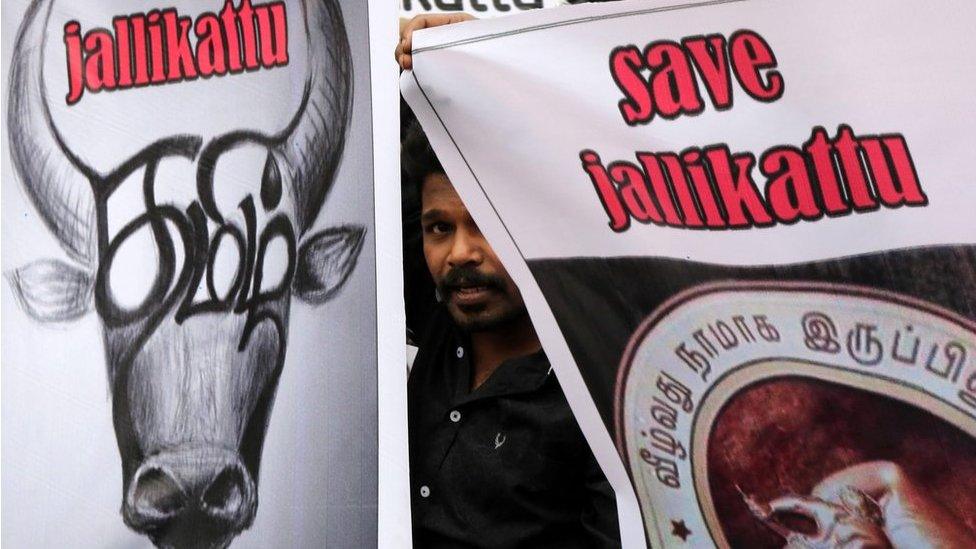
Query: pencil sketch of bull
(193, 374)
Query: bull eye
(271, 183)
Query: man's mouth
(470, 295)
(467, 287)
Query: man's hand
(404, 49)
(909, 517)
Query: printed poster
(744, 232)
(201, 301)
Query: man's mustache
(461, 277)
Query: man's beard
(471, 318)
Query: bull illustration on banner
(193, 365)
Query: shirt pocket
(543, 460)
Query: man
(496, 456)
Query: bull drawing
(192, 368)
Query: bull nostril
(157, 495)
(177, 493)
(226, 495)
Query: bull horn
(56, 181)
(312, 144)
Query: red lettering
(679, 183)
(72, 43)
(181, 59)
(161, 47)
(659, 185)
(672, 81)
(819, 149)
(884, 153)
(273, 30)
(248, 38)
(801, 183)
(156, 48)
(708, 55)
(122, 47)
(788, 191)
(100, 60)
(210, 46)
(633, 190)
(737, 190)
(605, 189)
(852, 171)
(637, 106)
(674, 70)
(750, 54)
(139, 50)
(233, 52)
(713, 216)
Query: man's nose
(466, 249)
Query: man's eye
(438, 228)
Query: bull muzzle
(197, 497)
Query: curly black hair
(417, 162)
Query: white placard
(202, 298)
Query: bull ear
(50, 290)
(325, 261)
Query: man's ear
(50, 290)
(325, 261)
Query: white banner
(744, 232)
(202, 279)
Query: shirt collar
(523, 374)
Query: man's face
(478, 292)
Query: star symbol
(678, 529)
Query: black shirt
(505, 465)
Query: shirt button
(455, 416)
(460, 352)
(424, 491)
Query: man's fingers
(403, 56)
(406, 43)
(417, 23)
(875, 479)
(404, 49)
